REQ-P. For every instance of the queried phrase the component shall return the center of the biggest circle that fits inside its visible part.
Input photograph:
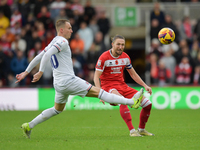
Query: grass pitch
(101, 130)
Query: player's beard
(118, 52)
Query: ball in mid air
(166, 35)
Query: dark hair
(117, 37)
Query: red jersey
(112, 68)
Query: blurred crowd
(27, 27)
(179, 62)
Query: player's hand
(101, 101)
(21, 76)
(148, 89)
(37, 76)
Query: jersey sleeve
(60, 44)
(100, 65)
(128, 62)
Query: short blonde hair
(60, 23)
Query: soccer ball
(166, 35)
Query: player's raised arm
(45, 59)
(137, 79)
(31, 65)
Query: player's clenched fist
(37, 76)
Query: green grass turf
(101, 130)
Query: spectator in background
(184, 52)
(103, 23)
(38, 4)
(4, 23)
(5, 8)
(12, 80)
(152, 66)
(183, 71)
(35, 51)
(77, 6)
(92, 57)
(173, 47)
(77, 48)
(156, 48)
(68, 10)
(77, 67)
(86, 35)
(170, 24)
(155, 28)
(47, 77)
(194, 49)
(77, 45)
(30, 20)
(18, 44)
(10, 37)
(93, 26)
(197, 30)
(89, 12)
(16, 29)
(44, 17)
(5, 45)
(186, 30)
(3, 66)
(99, 42)
(49, 36)
(16, 17)
(24, 7)
(196, 78)
(170, 63)
(62, 15)
(55, 8)
(41, 31)
(19, 64)
(34, 39)
(158, 14)
(162, 75)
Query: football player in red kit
(109, 76)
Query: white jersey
(61, 62)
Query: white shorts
(73, 86)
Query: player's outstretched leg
(137, 99)
(26, 130)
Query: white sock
(131, 131)
(145, 103)
(113, 98)
(140, 129)
(46, 114)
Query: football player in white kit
(65, 82)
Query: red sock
(144, 116)
(125, 114)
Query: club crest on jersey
(99, 63)
(116, 62)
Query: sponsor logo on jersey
(99, 63)
(116, 70)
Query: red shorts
(123, 89)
